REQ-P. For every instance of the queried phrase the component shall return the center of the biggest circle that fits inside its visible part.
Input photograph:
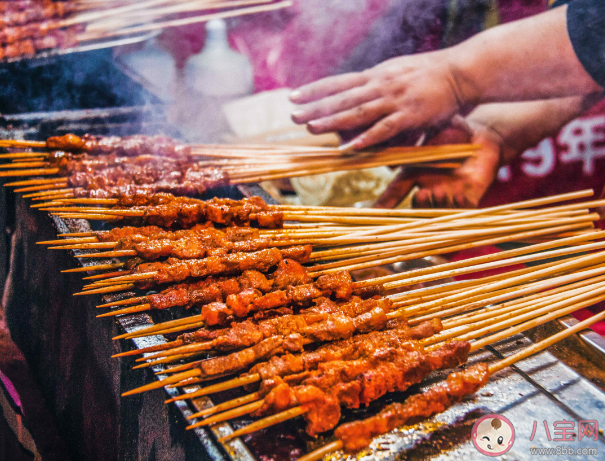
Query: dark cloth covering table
(68, 351)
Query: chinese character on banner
(588, 429)
(564, 431)
(584, 141)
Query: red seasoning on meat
(356, 382)
(437, 398)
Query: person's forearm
(522, 125)
(524, 60)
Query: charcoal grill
(541, 388)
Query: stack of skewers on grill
(98, 167)
(268, 290)
(28, 27)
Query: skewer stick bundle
(267, 162)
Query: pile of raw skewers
(28, 27)
(268, 292)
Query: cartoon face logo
(493, 435)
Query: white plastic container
(218, 70)
(214, 77)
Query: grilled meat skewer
(437, 398)
(356, 382)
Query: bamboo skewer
(352, 267)
(106, 275)
(122, 302)
(195, 6)
(288, 414)
(244, 173)
(55, 185)
(28, 159)
(397, 251)
(224, 406)
(98, 267)
(29, 164)
(266, 422)
(43, 205)
(388, 235)
(191, 322)
(532, 323)
(132, 278)
(80, 234)
(174, 358)
(21, 155)
(233, 413)
(160, 327)
(340, 211)
(355, 251)
(29, 172)
(35, 182)
(57, 194)
(73, 241)
(160, 12)
(22, 143)
(540, 346)
(421, 296)
(503, 294)
(125, 280)
(470, 213)
(220, 387)
(351, 250)
(164, 382)
(301, 238)
(320, 453)
(48, 193)
(184, 327)
(111, 289)
(567, 208)
(129, 310)
(96, 15)
(479, 321)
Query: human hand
(461, 188)
(399, 94)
